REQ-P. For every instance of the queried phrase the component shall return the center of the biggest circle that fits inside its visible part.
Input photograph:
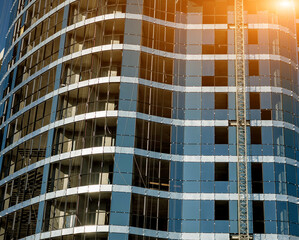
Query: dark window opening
(258, 216)
(257, 177)
(256, 135)
(221, 68)
(151, 173)
(157, 9)
(220, 37)
(220, 49)
(221, 135)
(152, 136)
(207, 81)
(164, 36)
(253, 68)
(221, 101)
(221, 41)
(220, 81)
(214, 49)
(149, 212)
(221, 171)
(254, 100)
(161, 69)
(221, 210)
(266, 114)
(252, 36)
(154, 101)
(214, 12)
(208, 49)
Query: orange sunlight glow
(286, 3)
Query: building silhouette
(118, 120)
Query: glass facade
(117, 120)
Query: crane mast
(241, 123)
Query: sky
(4, 19)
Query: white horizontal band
(146, 192)
(126, 16)
(145, 153)
(146, 18)
(117, 113)
(149, 233)
(103, 80)
(151, 51)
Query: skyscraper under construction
(150, 120)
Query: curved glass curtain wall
(129, 109)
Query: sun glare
(286, 3)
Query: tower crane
(241, 123)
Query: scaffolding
(241, 123)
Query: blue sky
(4, 19)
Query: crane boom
(241, 123)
